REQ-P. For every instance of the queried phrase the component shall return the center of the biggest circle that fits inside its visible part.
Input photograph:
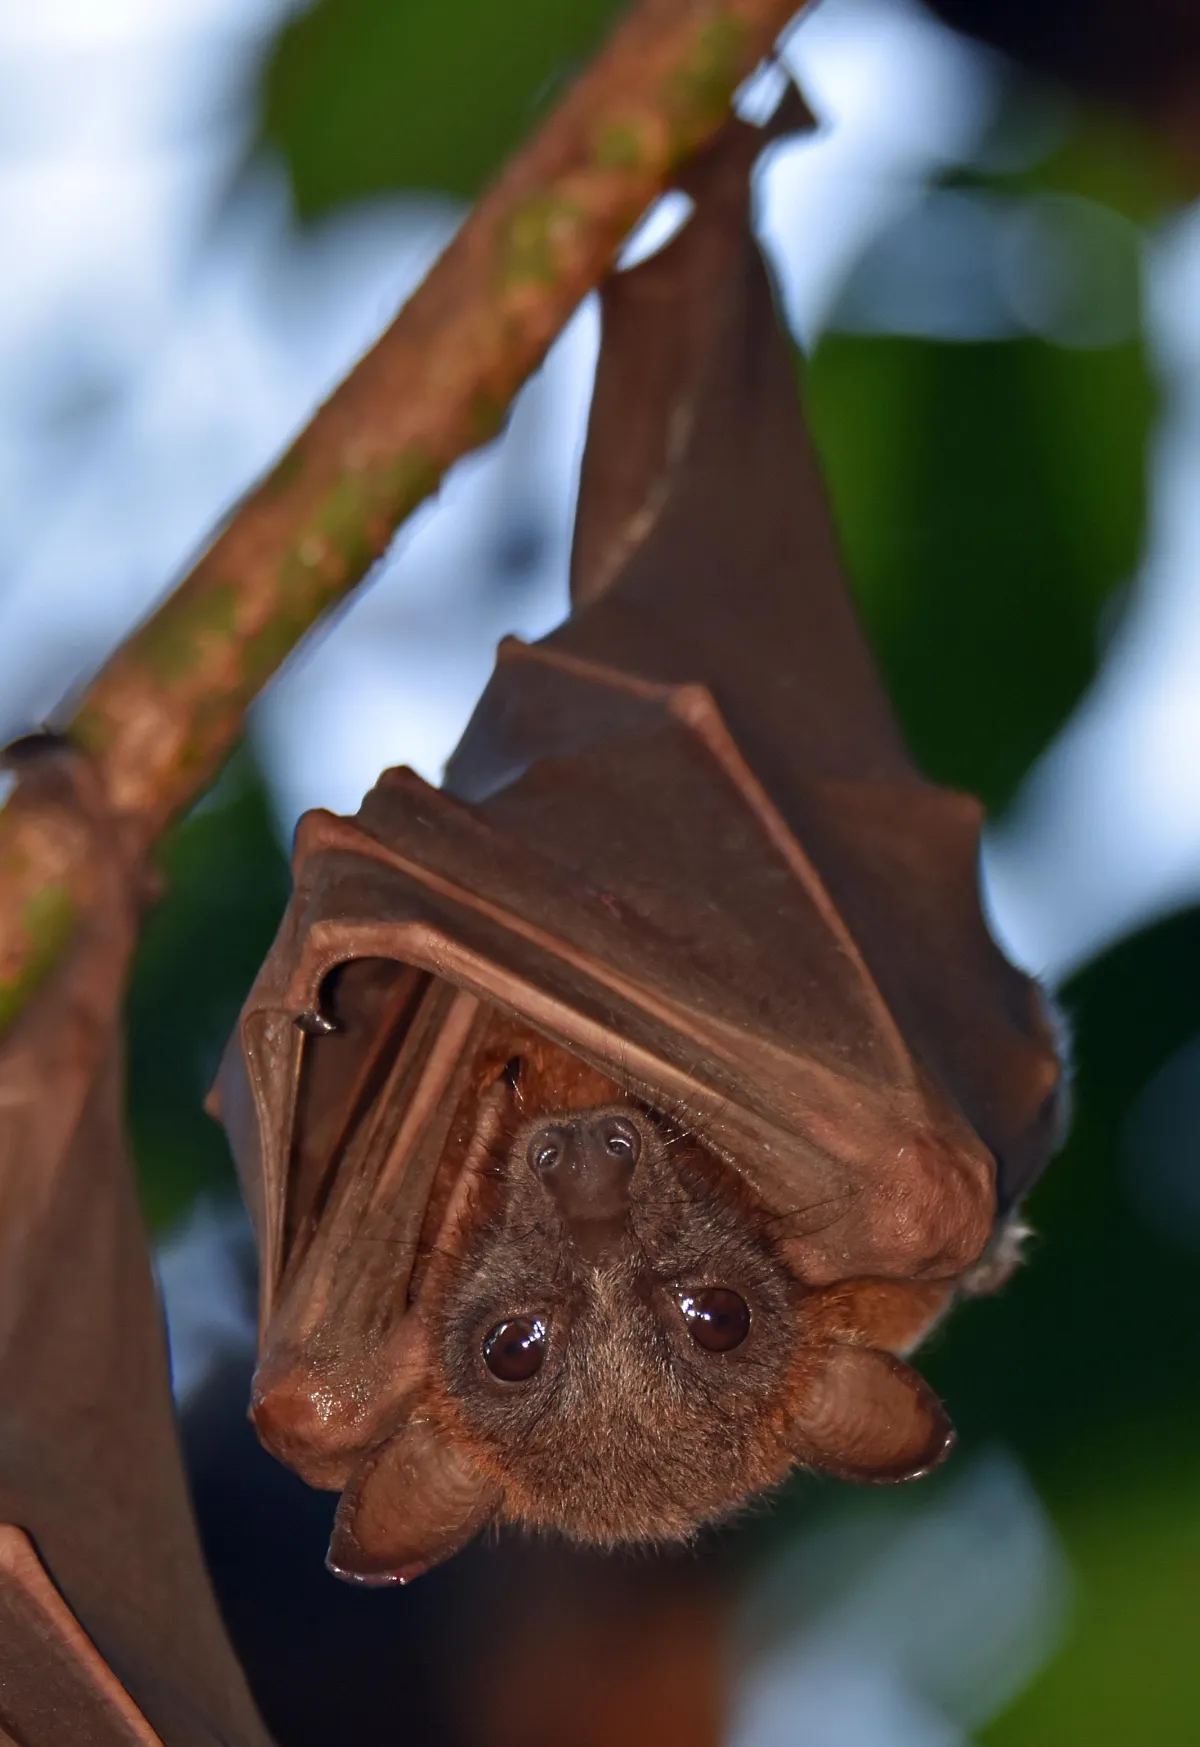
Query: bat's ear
(409, 1505)
(863, 1415)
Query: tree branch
(162, 715)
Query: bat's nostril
(619, 1139)
(547, 1150)
(604, 1146)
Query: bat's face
(616, 1333)
(609, 1344)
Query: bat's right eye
(513, 1351)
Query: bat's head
(613, 1308)
(614, 1348)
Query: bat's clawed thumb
(410, 1504)
(864, 1415)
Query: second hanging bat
(614, 1118)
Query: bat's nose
(586, 1165)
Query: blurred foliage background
(991, 490)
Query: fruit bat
(614, 1118)
(109, 1631)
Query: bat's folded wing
(683, 838)
(100, 1562)
(53, 1684)
(705, 555)
(640, 900)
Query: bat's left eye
(514, 1350)
(717, 1319)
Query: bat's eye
(514, 1350)
(717, 1319)
(621, 1139)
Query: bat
(109, 1631)
(615, 1118)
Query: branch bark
(162, 715)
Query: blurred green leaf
(1107, 157)
(991, 495)
(367, 96)
(226, 882)
(1128, 1669)
(990, 498)
(1097, 1334)
(1089, 1364)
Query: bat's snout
(586, 1165)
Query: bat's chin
(600, 1242)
